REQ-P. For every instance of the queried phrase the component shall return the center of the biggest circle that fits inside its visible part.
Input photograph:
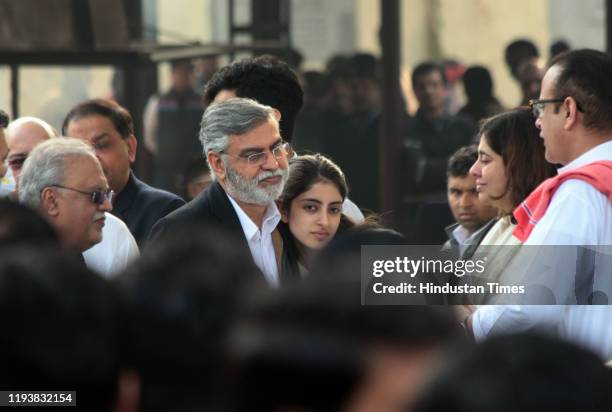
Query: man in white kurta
(576, 133)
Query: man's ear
(216, 163)
(49, 202)
(132, 145)
(277, 114)
(570, 107)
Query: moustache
(269, 173)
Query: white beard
(248, 190)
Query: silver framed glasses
(280, 151)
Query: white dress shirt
(464, 238)
(578, 214)
(260, 241)
(115, 252)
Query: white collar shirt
(260, 241)
(464, 240)
(578, 214)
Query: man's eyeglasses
(279, 151)
(537, 105)
(97, 196)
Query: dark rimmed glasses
(97, 197)
(281, 150)
(537, 105)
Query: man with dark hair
(520, 373)
(429, 139)
(473, 218)
(109, 129)
(529, 76)
(574, 115)
(518, 51)
(171, 123)
(523, 60)
(265, 79)
(60, 329)
(559, 46)
(481, 103)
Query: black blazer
(211, 206)
(140, 206)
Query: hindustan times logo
(413, 267)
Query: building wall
(581, 23)
(471, 31)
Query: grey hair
(46, 166)
(235, 116)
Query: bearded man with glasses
(249, 165)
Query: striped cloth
(531, 210)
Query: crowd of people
(248, 297)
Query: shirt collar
(602, 151)
(270, 220)
(460, 234)
(462, 237)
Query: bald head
(23, 135)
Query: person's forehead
(324, 190)
(549, 80)
(25, 137)
(264, 132)
(466, 182)
(90, 126)
(224, 95)
(429, 77)
(85, 172)
(483, 146)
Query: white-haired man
(249, 163)
(63, 180)
(118, 247)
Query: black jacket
(212, 206)
(140, 206)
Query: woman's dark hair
(305, 171)
(514, 136)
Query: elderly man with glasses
(63, 180)
(117, 247)
(249, 164)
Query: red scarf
(531, 210)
